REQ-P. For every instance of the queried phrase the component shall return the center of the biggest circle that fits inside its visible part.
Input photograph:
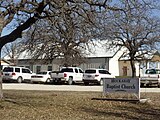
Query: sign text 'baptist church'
(130, 85)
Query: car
(69, 75)
(43, 77)
(94, 75)
(150, 77)
(16, 74)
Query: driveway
(25, 86)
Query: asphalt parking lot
(49, 87)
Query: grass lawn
(43, 105)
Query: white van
(15, 73)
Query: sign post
(128, 85)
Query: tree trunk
(1, 90)
(133, 68)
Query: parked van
(17, 74)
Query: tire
(19, 80)
(101, 82)
(147, 85)
(86, 83)
(158, 85)
(70, 81)
(142, 85)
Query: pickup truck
(69, 75)
(151, 76)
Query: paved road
(25, 86)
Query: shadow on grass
(133, 112)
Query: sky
(10, 28)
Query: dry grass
(38, 105)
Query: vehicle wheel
(70, 81)
(147, 85)
(101, 82)
(32, 82)
(19, 79)
(86, 83)
(142, 84)
(158, 85)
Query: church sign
(129, 85)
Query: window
(17, 70)
(28, 71)
(8, 69)
(151, 71)
(90, 71)
(76, 71)
(49, 68)
(67, 70)
(158, 71)
(80, 71)
(38, 69)
(25, 70)
(42, 73)
(104, 72)
(152, 65)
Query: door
(26, 74)
(76, 74)
(80, 75)
(124, 70)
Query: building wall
(114, 62)
(35, 66)
(96, 63)
(90, 63)
(108, 63)
(125, 68)
(3, 64)
(140, 66)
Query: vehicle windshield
(104, 72)
(8, 69)
(90, 71)
(43, 73)
(153, 71)
(67, 70)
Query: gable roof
(140, 55)
(5, 62)
(98, 49)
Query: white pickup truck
(151, 76)
(67, 74)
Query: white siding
(114, 64)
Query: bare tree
(22, 14)
(64, 36)
(133, 28)
(12, 51)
